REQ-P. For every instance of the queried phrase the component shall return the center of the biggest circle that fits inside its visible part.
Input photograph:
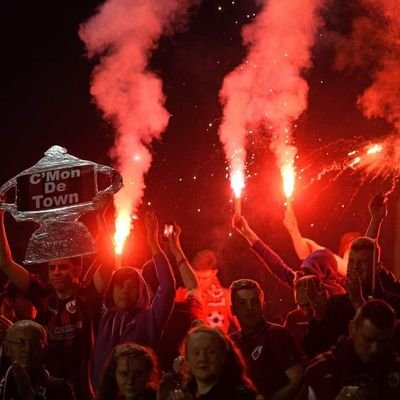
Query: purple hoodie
(321, 263)
(145, 325)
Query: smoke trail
(375, 46)
(123, 35)
(267, 90)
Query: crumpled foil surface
(60, 234)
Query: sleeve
(164, 298)
(195, 307)
(274, 263)
(37, 291)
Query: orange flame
(122, 230)
(354, 162)
(376, 148)
(369, 151)
(237, 182)
(288, 176)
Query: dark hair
(204, 260)
(109, 388)
(128, 273)
(245, 284)
(366, 243)
(234, 371)
(380, 313)
(345, 241)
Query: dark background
(45, 100)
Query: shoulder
(276, 331)
(236, 336)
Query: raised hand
(151, 223)
(378, 206)
(240, 224)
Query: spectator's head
(64, 274)
(372, 330)
(363, 250)
(309, 293)
(15, 305)
(345, 242)
(247, 303)
(321, 263)
(204, 264)
(130, 371)
(127, 291)
(25, 344)
(211, 357)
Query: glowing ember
(369, 150)
(376, 148)
(288, 176)
(354, 162)
(122, 230)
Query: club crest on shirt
(71, 306)
(256, 353)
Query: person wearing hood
(127, 314)
(304, 246)
(363, 282)
(320, 263)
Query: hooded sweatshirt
(321, 263)
(144, 325)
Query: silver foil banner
(55, 192)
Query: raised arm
(186, 271)
(163, 268)
(165, 295)
(105, 249)
(378, 210)
(17, 274)
(275, 265)
(303, 246)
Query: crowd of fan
(132, 334)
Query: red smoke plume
(268, 89)
(374, 45)
(123, 35)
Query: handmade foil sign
(55, 192)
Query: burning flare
(237, 183)
(267, 92)
(288, 176)
(122, 230)
(123, 34)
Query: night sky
(45, 99)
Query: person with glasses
(26, 378)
